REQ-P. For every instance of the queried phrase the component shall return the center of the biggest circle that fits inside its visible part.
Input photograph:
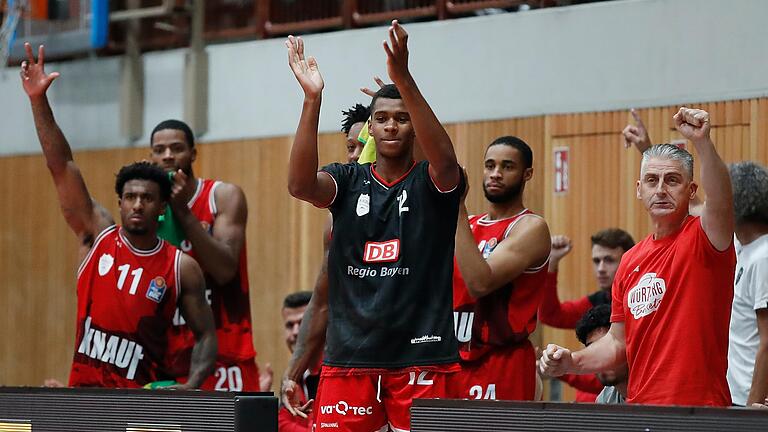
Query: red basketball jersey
(125, 303)
(505, 317)
(230, 303)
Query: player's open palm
(397, 53)
(692, 123)
(305, 69)
(33, 76)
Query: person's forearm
(759, 390)
(605, 353)
(203, 359)
(474, 269)
(431, 135)
(714, 177)
(54, 145)
(302, 166)
(311, 339)
(214, 257)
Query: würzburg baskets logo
(646, 296)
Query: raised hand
(305, 69)
(182, 190)
(397, 54)
(555, 361)
(289, 392)
(561, 246)
(370, 92)
(692, 123)
(33, 76)
(636, 135)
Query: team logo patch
(156, 289)
(105, 264)
(363, 205)
(645, 297)
(388, 251)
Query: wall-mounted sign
(561, 169)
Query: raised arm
(199, 317)
(304, 181)
(636, 134)
(84, 217)
(526, 246)
(717, 217)
(217, 254)
(311, 340)
(607, 352)
(430, 134)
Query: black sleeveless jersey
(390, 269)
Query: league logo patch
(105, 264)
(363, 205)
(645, 297)
(156, 289)
(489, 246)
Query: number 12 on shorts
(421, 380)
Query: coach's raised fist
(692, 123)
(555, 361)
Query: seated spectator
(608, 246)
(591, 327)
(294, 306)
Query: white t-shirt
(750, 293)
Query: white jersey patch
(363, 204)
(105, 264)
(645, 297)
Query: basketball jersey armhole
(335, 192)
(509, 229)
(177, 275)
(440, 189)
(96, 243)
(212, 199)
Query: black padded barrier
(428, 415)
(102, 410)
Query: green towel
(368, 155)
(168, 227)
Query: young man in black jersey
(390, 334)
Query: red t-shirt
(674, 297)
(505, 317)
(230, 303)
(125, 303)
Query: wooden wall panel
(37, 250)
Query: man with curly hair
(748, 334)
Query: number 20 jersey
(125, 303)
(390, 267)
